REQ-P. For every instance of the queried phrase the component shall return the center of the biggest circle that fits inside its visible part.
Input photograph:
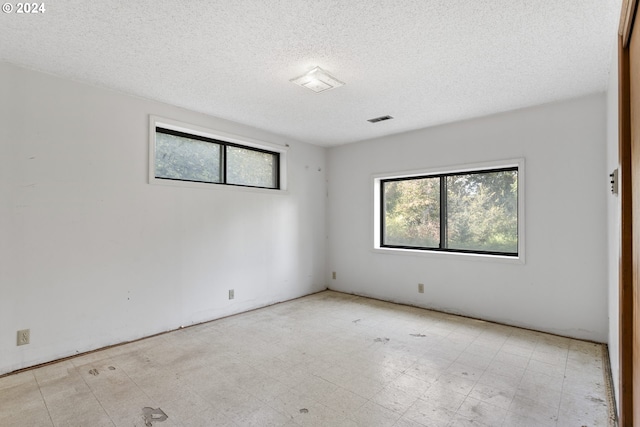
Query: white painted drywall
(562, 287)
(613, 221)
(92, 255)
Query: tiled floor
(325, 360)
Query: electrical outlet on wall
(333, 275)
(421, 288)
(231, 294)
(24, 336)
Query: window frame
(442, 173)
(223, 139)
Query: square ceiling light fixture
(318, 80)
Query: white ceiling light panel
(317, 80)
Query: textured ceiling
(423, 62)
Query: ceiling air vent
(380, 119)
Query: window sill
(451, 255)
(214, 186)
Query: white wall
(92, 255)
(562, 288)
(613, 229)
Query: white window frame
(162, 122)
(376, 219)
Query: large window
(473, 212)
(181, 156)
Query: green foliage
(412, 212)
(481, 212)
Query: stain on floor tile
(152, 415)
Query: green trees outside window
(462, 212)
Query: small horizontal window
(469, 212)
(181, 156)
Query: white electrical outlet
(231, 294)
(421, 288)
(24, 335)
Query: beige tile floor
(328, 359)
